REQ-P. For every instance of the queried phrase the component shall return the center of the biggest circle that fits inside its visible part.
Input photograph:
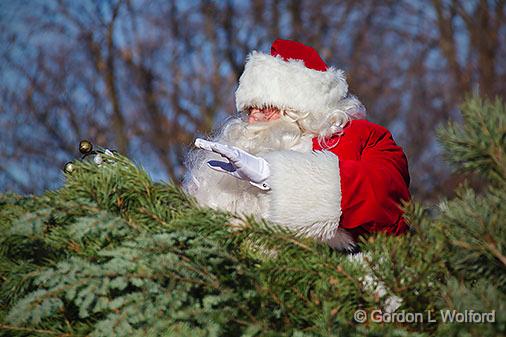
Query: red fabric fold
(374, 179)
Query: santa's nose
(257, 116)
(262, 115)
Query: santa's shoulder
(358, 134)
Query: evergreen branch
(357, 284)
(491, 245)
(479, 144)
(46, 332)
(153, 216)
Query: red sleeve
(373, 186)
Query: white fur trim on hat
(269, 80)
(305, 195)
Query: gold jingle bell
(69, 167)
(85, 146)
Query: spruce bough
(114, 254)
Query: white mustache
(279, 134)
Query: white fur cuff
(306, 194)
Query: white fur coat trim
(269, 80)
(305, 195)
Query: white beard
(221, 191)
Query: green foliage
(478, 237)
(479, 296)
(473, 226)
(114, 254)
(479, 145)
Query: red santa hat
(293, 76)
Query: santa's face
(264, 114)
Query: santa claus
(301, 153)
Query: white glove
(241, 165)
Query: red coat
(374, 179)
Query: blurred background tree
(147, 77)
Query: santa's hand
(241, 165)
